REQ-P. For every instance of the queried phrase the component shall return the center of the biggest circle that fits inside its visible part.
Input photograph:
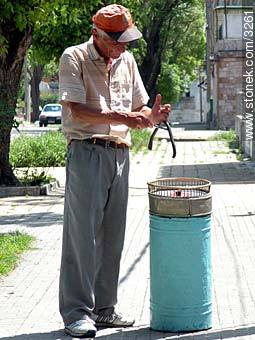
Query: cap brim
(130, 34)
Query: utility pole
(27, 93)
(226, 19)
(200, 96)
(210, 55)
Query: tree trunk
(155, 39)
(151, 65)
(8, 97)
(10, 72)
(35, 91)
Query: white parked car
(51, 114)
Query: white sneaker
(82, 328)
(113, 320)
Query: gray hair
(100, 32)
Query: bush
(47, 150)
(140, 140)
(31, 177)
(48, 99)
(229, 137)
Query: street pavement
(32, 130)
(29, 295)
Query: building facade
(225, 57)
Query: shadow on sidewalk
(34, 220)
(42, 200)
(54, 335)
(218, 173)
(134, 264)
(147, 334)
(144, 333)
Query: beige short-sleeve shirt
(84, 78)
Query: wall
(248, 147)
(227, 83)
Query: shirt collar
(92, 52)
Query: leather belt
(106, 143)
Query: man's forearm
(89, 115)
(86, 114)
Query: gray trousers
(94, 226)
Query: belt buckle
(107, 144)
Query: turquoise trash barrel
(180, 254)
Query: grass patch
(140, 140)
(231, 140)
(224, 135)
(221, 152)
(12, 245)
(229, 137)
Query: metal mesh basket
(179, 187)
(180, 196)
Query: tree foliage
(67, 23)
(184, 52)
(174, 35)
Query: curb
(38, 190)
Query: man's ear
(94, 33)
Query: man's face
(107, 47)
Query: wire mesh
(179, 187)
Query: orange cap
(116, 18)
(113, 18)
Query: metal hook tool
(167, 127)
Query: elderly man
(102, 96)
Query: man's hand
(159, 112)
(138, 120)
